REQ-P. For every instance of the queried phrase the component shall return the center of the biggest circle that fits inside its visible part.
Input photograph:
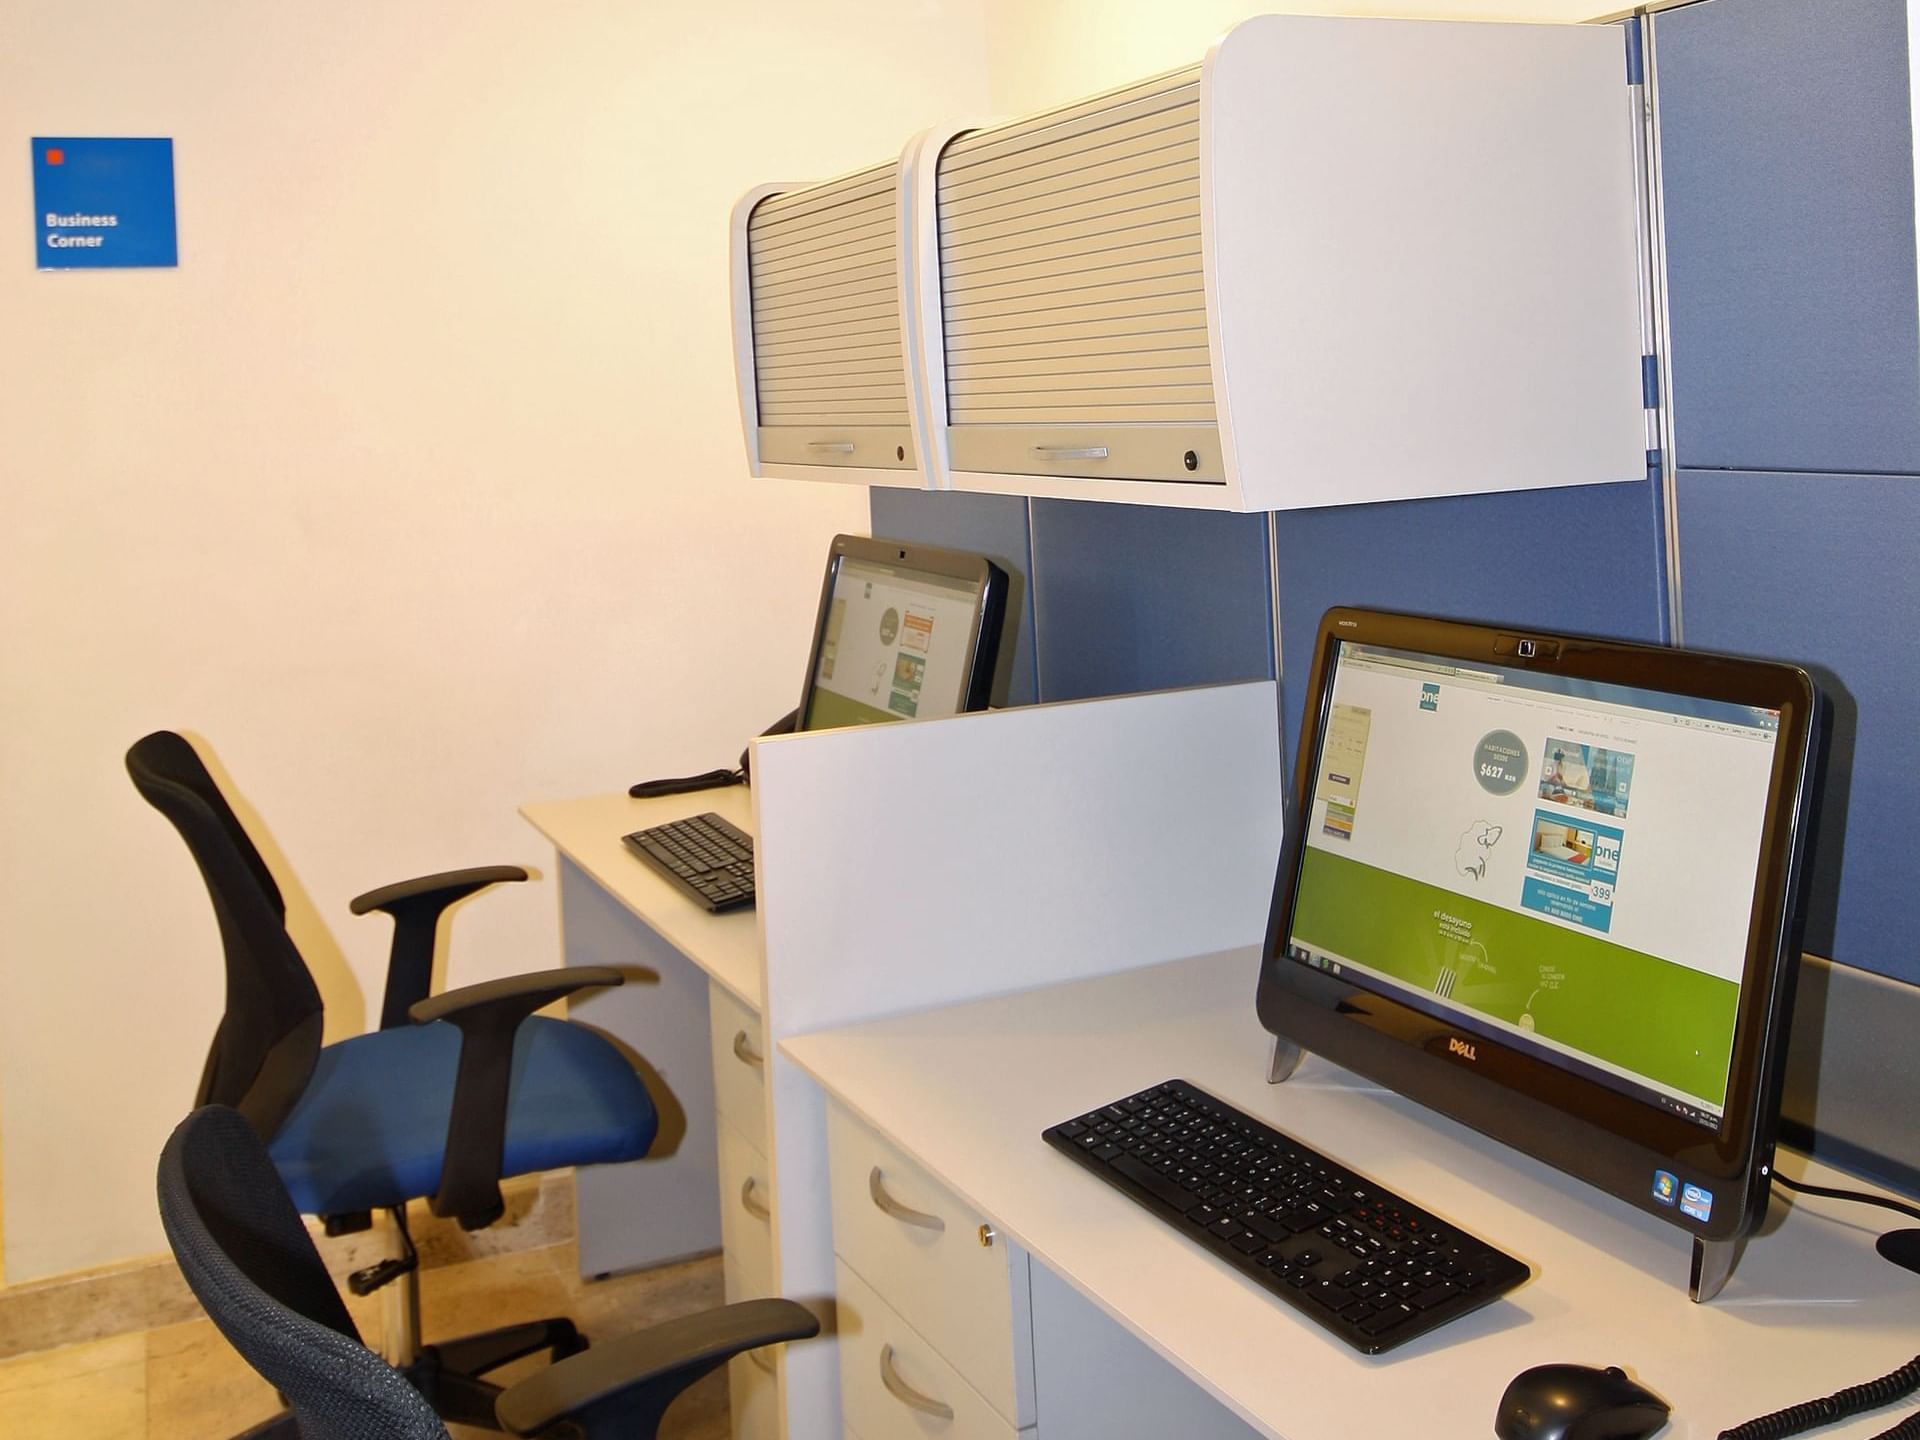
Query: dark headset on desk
(711, 779)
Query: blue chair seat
(370, 1129)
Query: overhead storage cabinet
(1342, 260)
(824, 387)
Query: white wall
(410, 490)
(1047, 52)
(406, 489)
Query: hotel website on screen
(1567, 866)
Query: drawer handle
(905, 1214)
(762, 1359)
(752, 1206)
(1071, 452)
(831, 447)
(905, 1393)
(744, 1052)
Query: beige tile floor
(184, 1382)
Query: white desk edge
(587, 832)
(966, 1090)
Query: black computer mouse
(1578, 1402)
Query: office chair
(440, 1111)
(248, 1258)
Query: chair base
(450, 1374)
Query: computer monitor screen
(905, 632)
(1558, 865)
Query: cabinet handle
(762, 1359)
(752, 1206)
(831, 447)
(902, 1213)
(744, 1052)
(1071, 452)
(905, 1393)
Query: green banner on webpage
(1637, 1012)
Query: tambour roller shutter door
(1072, 291)
(830, 381)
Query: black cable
(687, 784)
(1859, 1196)
(1854, 1400)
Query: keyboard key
(1158, 1187)
(1388, 1319)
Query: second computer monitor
(905, 632)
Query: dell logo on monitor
(1461, 1048)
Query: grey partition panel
(1137, 597)
(1853, 1070)
(990, 525)
(1820, 569)
(1787, 157)
(1585, 558)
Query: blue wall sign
(103, 204)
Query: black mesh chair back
(249, 1259)
(263, 1054)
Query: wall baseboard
(147, 1293)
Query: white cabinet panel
(893, 1383)
(739, 1065)
(746, 1230)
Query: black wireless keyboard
(704, 855)
(1351, 1256)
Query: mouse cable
(1854, 1400)
(1859, 1196)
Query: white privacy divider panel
(909, 866)
(905, 867)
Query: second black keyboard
(1351, 1256)
(704, 855)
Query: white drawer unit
(739, 1064)
(753, 1397)
(819, 354)
(746, 1224)
(1341, 260)
(894, 1384)
(753, 1394)
(936, 1261)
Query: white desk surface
(587, 831)
(967, 1090)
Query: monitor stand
(1713, 1260)
(1286, 1057)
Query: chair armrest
(488, 1015)
(622, 1387)
(416, 907)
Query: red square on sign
(56, 157)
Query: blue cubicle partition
(1125, 591)
(1787, 156)
(1585, 558)
(1120, 598)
